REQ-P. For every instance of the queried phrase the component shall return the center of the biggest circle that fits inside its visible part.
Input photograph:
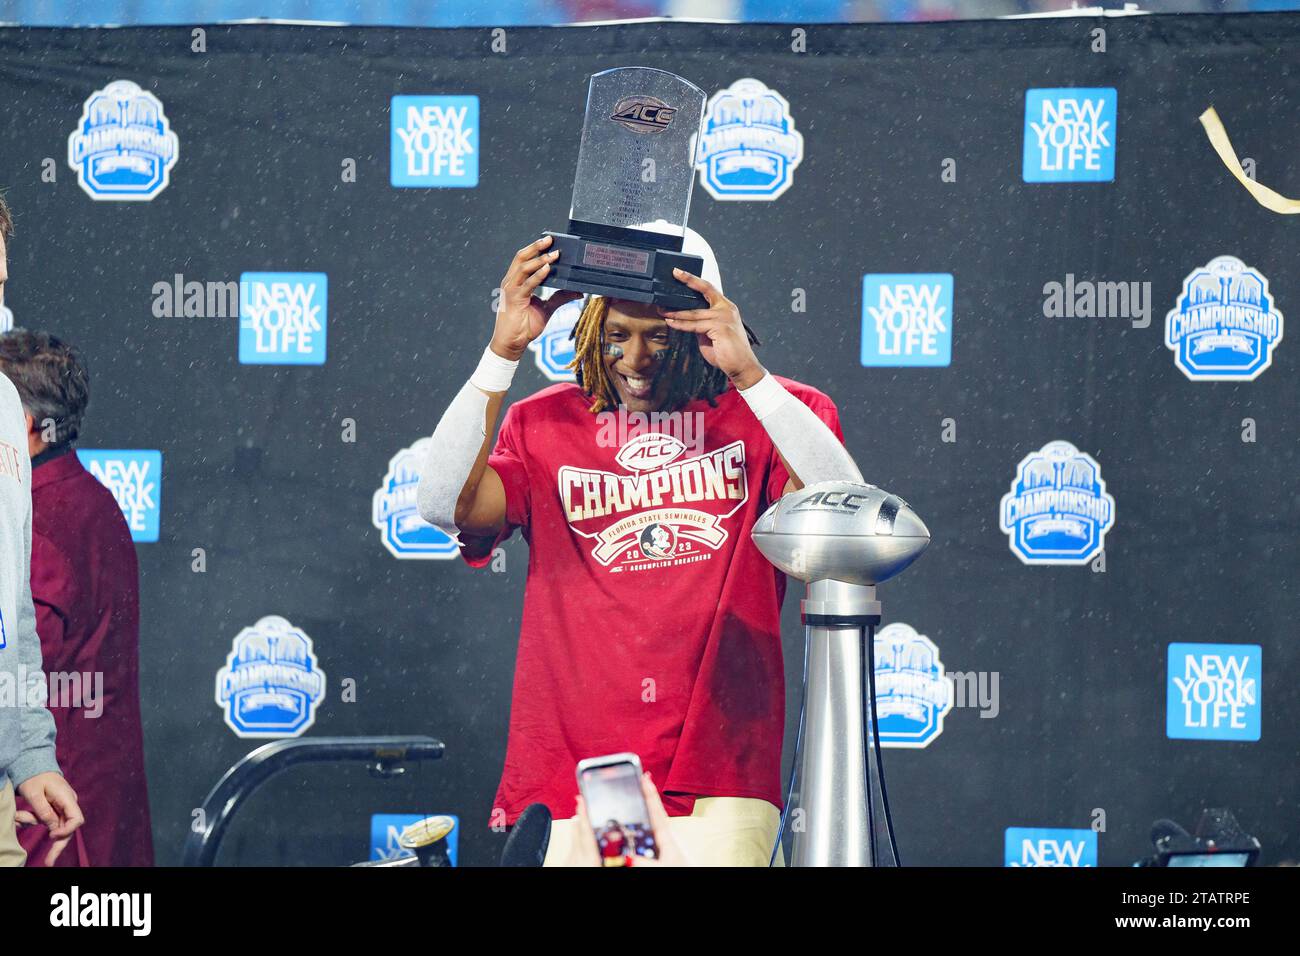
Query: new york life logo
(271, 684)
(912, 692)
(1049, 846)
(1213, 692)
(123, 147)
(1225, 325)
(386, 828)
(394, 512)
(1070, 136)
(434, 141)
(135, 478)
(907, 319)
(1058, 511)
(749, 149)
(553, 349)
(282, 318)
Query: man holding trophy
(651, 623)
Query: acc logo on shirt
(1070, 135)
(385, 828)
(1226, 325)
(282, 317)
(912, 692)
(749, 148)
(1214, 691)
(907, 319)
(553, 349)
(123, 147)
(395, 514)
(135, 478)
(1050, 846)
(271, 685)
(1057, 511)
(433, 141)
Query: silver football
(841, 530)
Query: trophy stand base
(621, 270)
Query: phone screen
(618, 814)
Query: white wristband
(765, 396)
(494, 373)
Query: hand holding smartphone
(616, 808)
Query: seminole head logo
(1057, 511)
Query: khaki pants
(722, 831)
(11, 852)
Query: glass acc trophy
(632, 191)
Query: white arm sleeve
(806, 442)
(457, 441)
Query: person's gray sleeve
(36, 723)
(811, 450)
(450, 458)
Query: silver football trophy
(842, 538)
(632, 191)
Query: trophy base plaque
(631, 265)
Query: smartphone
(611, 788)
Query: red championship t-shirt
(651, 622)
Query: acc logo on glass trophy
(123, 147)
(271, 684)
(395, 514)
(1057, 511)
(1225, 325)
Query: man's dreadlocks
(689, 375)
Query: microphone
(529, 837)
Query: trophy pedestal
(623, 270)
(840, 789)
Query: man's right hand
(522, 315)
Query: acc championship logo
(270, 686)
(912, 692)
(1057, 511)
(1050, 846)
(394, 512)
(282, 318)
(1225, 325)
(135, 478)
(433, 141)
(907, 319)
(553, 349)
(1213, 691)
(1070, 136)
(750, 148)
(123, 147)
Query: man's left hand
(721, 335)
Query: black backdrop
(255, 472)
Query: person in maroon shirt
(86, 591)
